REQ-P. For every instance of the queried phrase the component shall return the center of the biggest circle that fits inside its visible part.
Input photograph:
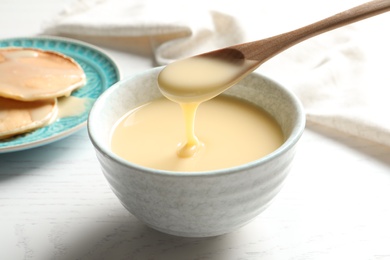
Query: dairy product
(231, 132)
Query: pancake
(30, 74)
(18, 117)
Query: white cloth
(342, 77)
(173, 28)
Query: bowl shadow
(134, 240)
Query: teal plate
(101, 72)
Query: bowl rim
(294, 137)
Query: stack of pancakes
(31, 80)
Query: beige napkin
(341, 77)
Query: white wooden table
(56, 204)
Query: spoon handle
(265, 49)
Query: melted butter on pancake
(28, 74)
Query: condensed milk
(200, 130)
(232, 132)
(198, 79)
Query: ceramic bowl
(196, 204)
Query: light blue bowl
(196, 204)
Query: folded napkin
(341, 77)
(168, 29)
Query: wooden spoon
(204, 76)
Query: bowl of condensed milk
(246, 140)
